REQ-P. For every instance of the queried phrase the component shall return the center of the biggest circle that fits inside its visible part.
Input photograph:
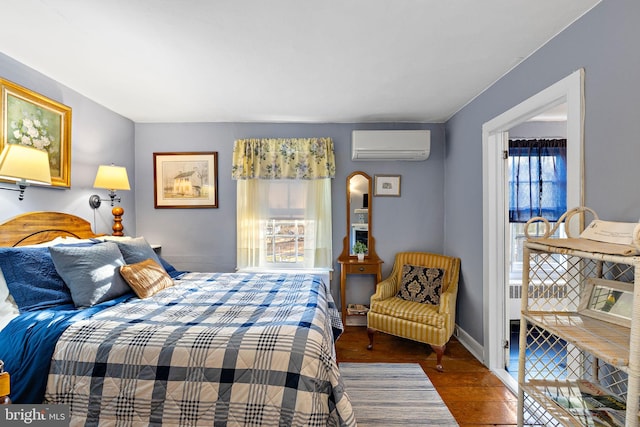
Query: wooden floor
(472, 393)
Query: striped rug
(394, 394)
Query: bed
(175, 348)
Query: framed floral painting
(28, 118)
(185, 180)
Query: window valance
(283, 158)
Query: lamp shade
(23, 163)
(112, 178)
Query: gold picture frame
(386, 185)
(28, 118)
(185, 180)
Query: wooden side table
(353, 266)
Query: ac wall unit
(367, 145)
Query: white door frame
(495, 201)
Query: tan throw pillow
(146, 278)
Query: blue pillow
(168, 267)
(137, 250)
(32, 278)
(91, 273)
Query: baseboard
(470, 344)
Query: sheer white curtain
(317, 251)
(255, 207)
(252, 208)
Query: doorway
(536, 175)
(495, 206)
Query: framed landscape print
(386, 185)
(28, 118)
(185, 180)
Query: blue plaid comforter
(216, 349)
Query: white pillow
(58, 241)
(113, 238)
(8, 307)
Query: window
(284, 242)
(284, 223)
(517, 239)
(283, 229)
(284, 202)
(537, 187)
(537, 179)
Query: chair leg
(439, 349)
(370, 333)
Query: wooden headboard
(38, 227)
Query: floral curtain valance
(283, 158)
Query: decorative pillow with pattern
(421, 284)
(146, 278)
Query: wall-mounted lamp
(112, 178)
(24, 165)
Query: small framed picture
(607, 300)
(387, 185)
(185, 180)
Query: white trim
(507, 380)
(475, 348)
(493, 212)
(467, 341)
(569, 90)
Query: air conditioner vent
(370, 145)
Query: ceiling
(281, 60)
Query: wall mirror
(359, 214)
(359, 189)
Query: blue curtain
(538, 179)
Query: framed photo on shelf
(30, 119)
(185, 180)
(607, 300)
(386, 185)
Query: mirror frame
(370, 255)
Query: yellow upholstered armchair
(418, 321)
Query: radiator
(540, 291)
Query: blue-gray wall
(98, 136)
(605, 43)
(205, 239)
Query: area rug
(394, 394)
